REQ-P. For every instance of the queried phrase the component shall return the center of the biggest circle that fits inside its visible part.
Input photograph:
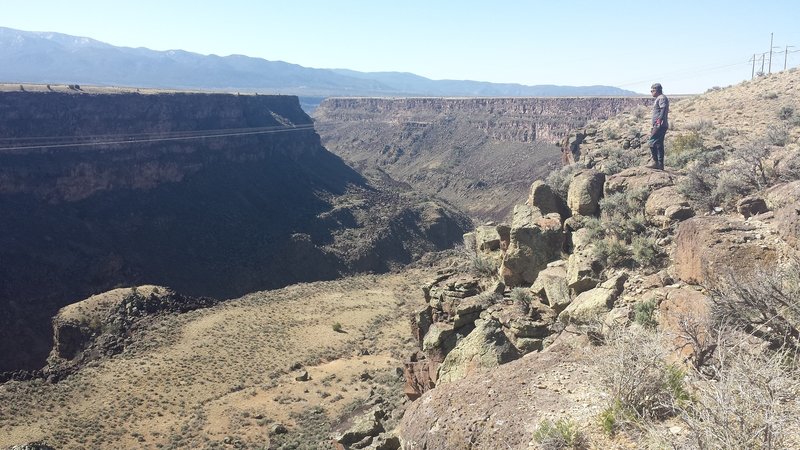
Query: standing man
(659, 126)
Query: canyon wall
(480, 154)
(210, 194)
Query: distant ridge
(45, 57)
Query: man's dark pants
(657, 146)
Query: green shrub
(645, 252)
(644, 313)
(562, 434)
(616, 160)
(521, 295)
(337, 327)
(612, 252)
(622, 214)
(639, 112)
(614, 418)
(560, 179)
(485, 266)
(778, 135)
(698, 126)
(686, 142)
(639, 378)
(786, 112)
(702, 175)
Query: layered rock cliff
(473, 152)
(210, 194)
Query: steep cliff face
(210, 194)
(478, 153)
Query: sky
(687, 46)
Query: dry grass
(224, 374)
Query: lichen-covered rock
(787, 220)
(485, 347)
(583, 269)
(589, 306)
(552, 282)
(666, 205)
(585, 191)
(368, 425)
(544, 198)
(535, 241)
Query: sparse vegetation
(560, 179)
(644, 313)
(559, 435)
(521, 295)
(485, 266)
(642, 384)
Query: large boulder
(363, 429)
(708, 247)
(551, 284)
(547, 200)
(485, 347)
(684, 314)
(583, 270)
(535, 241)
(751, 206)
(589, 306)
(637, 178)
(585, 191)
(782, 194)
(787, 220)
(666, 205)
(487, 238)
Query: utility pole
(753, 73)
(770, 53)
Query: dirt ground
(226, 375)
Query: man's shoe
(652, 165)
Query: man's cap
(656, 86)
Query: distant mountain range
(44, 57)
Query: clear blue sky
(688, 46)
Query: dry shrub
(753, 403)
(642, 384)
(765, 303)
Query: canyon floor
(226, 375)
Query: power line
(121, 139)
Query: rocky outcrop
(535, 241)
(585, 192)
(485, 347)
(543, 198)
(637, 179)
(589, 306)
(666, 206)
(708, 247)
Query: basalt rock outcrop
(477, 153)
(211, 194)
